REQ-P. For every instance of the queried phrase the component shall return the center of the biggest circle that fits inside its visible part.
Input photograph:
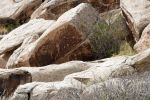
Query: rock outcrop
(43, 38)
(52, 9)
(137, 15)
(44, 74)
(144, 42)
(101, 72)
(76, 75)
(79, 34)
(17, 36)
(19, 11)
(23, 35)
(64, 39)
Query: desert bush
(111, 39)
(7, 25)
(135, 87)
(4, 29)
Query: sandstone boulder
(102, 70)
(52, 9)
(76, 35)
(140, 61)
(63, 38)
(114, 81)
(16, 37)
(19, 10)
(75, 76)
(117, 88)
(42, 74)
(144, 42)
(137, 15)
(46, 91)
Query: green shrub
(4, 29)
(111, 39)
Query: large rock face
(101, 73)
(62, 39)
(82, 31)
(17, 36)
(50, 73)
(144, 42)
(122, 88)
(23, 35)
(137, 14)
(141, 60)
(78, 34)
(52, 9)
(43, 74)
(19, 10)
(75, 75)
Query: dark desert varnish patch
(66, 38)
(9, 81)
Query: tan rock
(52, 9)
(74, 36)
(53, 90)
(41, 74)
(19, 10)
(75, 75)
(121, 87)
(102, 70)
(17, 36)
(44, 91)
(62, 39)
(141, 61)
(137, 15)
(144, 42)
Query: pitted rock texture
(62, 38)
(53, 9)
(144, 42)
(74, 36)
(137, 15)
(19, 10)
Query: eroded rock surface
(18, 10)
(17, 36)
(79, 34)
(77, 75)
(137, 15)
(52, 9)
(44, 74)
(144, 42)
(82, 31)
(63, 38)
